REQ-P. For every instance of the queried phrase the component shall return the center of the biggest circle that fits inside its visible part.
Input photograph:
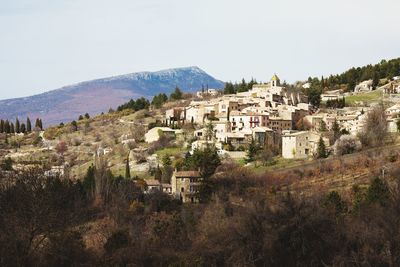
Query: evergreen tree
(17, 126)
(74, 126)
(375, 80)
(336, 130)
(23, 128)
(177, 94)
(28, 125)
(378, 192)
(7, 126)
(229, 89)
(127, 169)
(87, 116)
(89, 180)
(158, 173)
(252, 151)
(314, 96)
(12, 128)
(207, 160)
(80, 118)
(37, 123)
(321, 149)
(1, 126)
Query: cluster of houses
(261, 114)
(268, 114)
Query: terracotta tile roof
(187, 174)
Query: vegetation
(243, 86)
(138, 104)
(366, 98)
(350, 78)
(321, 152)
(159, 100)
(176, 95)
(12, 128)
(375, 127)
(43, 223)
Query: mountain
(96, 96)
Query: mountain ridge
(98, 95)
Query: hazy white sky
(45, 44)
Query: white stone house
(300, 145)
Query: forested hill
(386, 69)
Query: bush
(347, 144)
(117, 240)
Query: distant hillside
(96, 96)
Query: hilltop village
(272, 116)
(253, 167)
(270, 125)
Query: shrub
(347, 144)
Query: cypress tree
(41, 124)
(28, 125)
(12, 128)
(321, 149)
(336, 130)
(17, 126)
(37, 123)
(127, 169)
(23, 128)
(158, 174)
(2, 126)
(7, 127)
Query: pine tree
(17, 126)
(127, 169)
(80, 117)
(28, 125)
(321, 149)
(87, 116)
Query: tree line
(10, 127)
(386, 69)
(243, 86)
(43, 222)
(158, 101)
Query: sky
(47, 44)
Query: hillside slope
(97, 96)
